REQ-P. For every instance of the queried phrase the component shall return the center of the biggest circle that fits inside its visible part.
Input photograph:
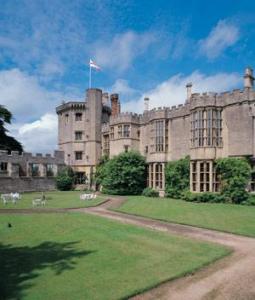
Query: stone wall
(17, 175)
(26, 184)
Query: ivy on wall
(177, 174)
(235, 174)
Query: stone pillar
(154, 176)
(211, 177)
(42, 170)
(163, 177)
(9, 169)
(55, 170)
(149, 175)
(190, 176)
(198, 177)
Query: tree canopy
(7, 142)
(124, 174)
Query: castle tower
(93, 126)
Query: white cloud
(33, 108)
(173, 91)
(51, 67)
(122, 50)
(222, 36)
(39, 136)
(122, 87)
(25, 97)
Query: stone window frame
(78, 135)
(206, 127)
(106, 144)
(203, 176)
(112, 132)
(159, 175)
(124, 131)
(159, 135)
(3, 166)
(78, 116)
(66, 118)
(78, 155)
(34, 169)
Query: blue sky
(150, 48)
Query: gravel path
(231, 278)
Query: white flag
(93, 65)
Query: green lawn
(237, 219)
(79, 256)
(55, 199)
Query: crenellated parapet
(73, 105)
(24, 157)
(181, 110)
(236, 96)
(125, 117)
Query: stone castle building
(206, 127)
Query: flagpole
(89, 76)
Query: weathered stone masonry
(206, 127)
(25, 172)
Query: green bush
(235, 174)
(99, 174)
(65, 179)
(177, 175)
(203, 197)
(124, 174)
(250, 200)
(149, 192)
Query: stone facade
(25, 172)
(206, 127)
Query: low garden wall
(26, 184)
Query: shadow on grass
(20, 265)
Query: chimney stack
(105, 98)
(248, 78)
(146, 103)
(115, 106)
(189, 91)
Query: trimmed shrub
(250, 200)
(235, 174)
(65, 179)
(149, 192)
(125, 174)
(203, 197)
(177, 175)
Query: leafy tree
(7, 142)
(65, 179)
(99, 174)
(234, 175)
(177, 174)
(124, 174)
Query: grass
(79, 256)
(238, 219)
(54, 199)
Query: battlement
(221, 99)
(57, 154)
(79, 105)
(125, 117)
